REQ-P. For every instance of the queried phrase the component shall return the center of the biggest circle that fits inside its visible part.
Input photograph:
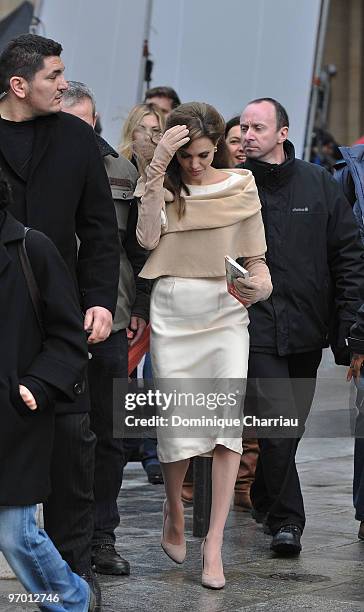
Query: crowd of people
(97, 243)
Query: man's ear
(19, 86)
(282, 135)
(95, 119)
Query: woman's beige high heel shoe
(208, 581)
(176, 552)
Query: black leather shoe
(287, 541)
(95, 604)
(361, 531)
(154, 474)
(105, 560)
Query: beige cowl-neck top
(215, 224)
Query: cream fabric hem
(198, 331)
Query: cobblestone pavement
(328, 575)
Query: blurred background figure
(233, 141)
(142, 129)
(325, 150)
(359, 140)
(165, 98)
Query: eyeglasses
(154, 134)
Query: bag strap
(32, 283)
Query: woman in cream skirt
(190, 216)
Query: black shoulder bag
(32, 283)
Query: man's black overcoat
(68, 193)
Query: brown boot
(187, 488)
(246, 473)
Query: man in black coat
(110, 358)
(43, 356)
(60, 187)
(316, 262)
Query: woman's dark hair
(5, 191)
(231, 123)
(202, 120)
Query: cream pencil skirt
(199, 335)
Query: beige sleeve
(257, 266)
(152, 215)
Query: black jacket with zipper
(315, 258)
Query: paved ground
(327, 576)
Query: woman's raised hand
(172, 140)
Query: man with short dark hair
(164, 97)
(315, 259)
(60, 187)
(110, 359)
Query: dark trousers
(143, 449)
(358, 484)
(109, 361)
(275, 388)
(68, 512)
